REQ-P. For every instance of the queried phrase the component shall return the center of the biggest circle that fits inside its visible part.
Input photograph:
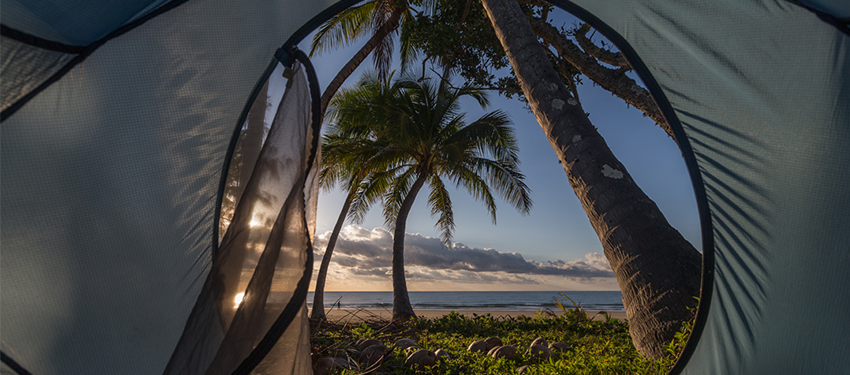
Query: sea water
(529, 301)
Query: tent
(119, 120)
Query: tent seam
(15, 366)
(39, 42)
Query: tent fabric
(761, 91)
(110, 182)
(111, 177)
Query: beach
(359, 315)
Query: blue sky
(555, 235)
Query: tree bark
(608, 57)
(402, 309)
(614, 80)
(319, 294)
(359, 57)
(657, 270)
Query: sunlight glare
(238, 300)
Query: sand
(356, 315)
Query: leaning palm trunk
(402, 309)
(657, 269)
(349, 68)
(319, 295)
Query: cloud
(369, 253)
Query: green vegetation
(601, 346)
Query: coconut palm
(380, 18)
(429, 143)
(350, 152)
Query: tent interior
(120, 121)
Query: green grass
(597, 347)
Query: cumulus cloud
(369, 253)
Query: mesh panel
(263, 253)
(25, 67)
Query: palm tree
(380, 18)
(350, 152)
(429, 143)
(656, 268)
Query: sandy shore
(356, 315)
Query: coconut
(323, 366)
(373, 354)
(478, 346)
(442, 354)
(421, 357)
(494, 341)
(344, 363)
(363, 344)
(559, 347)
(506, 351)
(522, 369)
(539, 341)
(540, 351)
(405, 343)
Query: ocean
(530, 301)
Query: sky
(552, 248)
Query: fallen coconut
(522, 369)
(478, 346)
(494, 341)
(373, 354)
(363, 344)
(442, 354)
(540, 351)
(344, 363)
(506, 351)
(405, 343)
(559, 347)
(539, 341)
(421, 357)
(323, 366)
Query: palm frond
(476, 186)
(407, 50)
(343, 28)
(507, 181)
(371, 190)
(441, 205)
(492, 134)
(395, 196)
(382, 56)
